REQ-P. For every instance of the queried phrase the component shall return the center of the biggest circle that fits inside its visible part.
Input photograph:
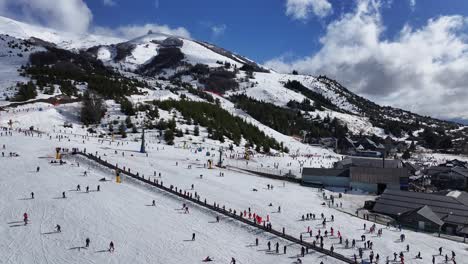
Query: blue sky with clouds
(260, 29)
(411, 54)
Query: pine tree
(92, 110)
(122, 130)
(169, 136)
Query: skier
(111, 247)
(32, 195)
(193, 236)
(269, 245)
(284, 250)
(58, 228)
(98, 188)
(37, 169)
(25, 218)
(87, 242)
(63, 195)
(78, 188)
(233, 261)
(87, 189)
(154, 203)
(217, 219)
(256, 241)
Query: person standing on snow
(25, 218)
(111, 247)
(32, 195)
(58, 228)
(193, 236)
(154, 203)
(38, 169)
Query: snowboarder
(87, 242)
(58, 228)
(111, 247)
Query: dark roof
(412, 166)
(448, 208)
(435, 170)
(427, 213)
(368, 162)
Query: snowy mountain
(168, 66)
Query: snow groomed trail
(216, 208)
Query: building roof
(427, 213)
(435, 170)
(449, 209)
(368, 162)
(412, 166)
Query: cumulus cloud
(301, 9)
(68, 15)
(109, 2)
(421, 69)
(218, 30)
(133, 31)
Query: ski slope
(118, 213)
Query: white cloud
(423, 70)
(68, 15)
(218, 30)
(133, 31)
(109, 2)
(301, 9)
(412, 4)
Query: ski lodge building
(441, 212)
(366, 174)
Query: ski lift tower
(142, 148)
(220, 162)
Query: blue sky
(259, 29)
